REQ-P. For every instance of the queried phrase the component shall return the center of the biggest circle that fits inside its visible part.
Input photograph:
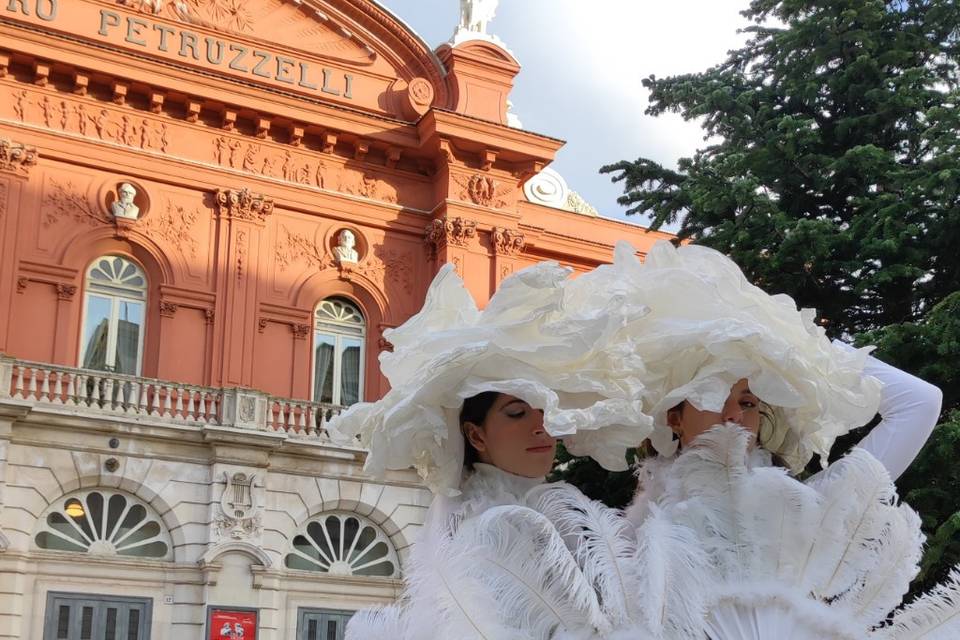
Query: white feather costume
(511, 558)
(503, 557)
(825, 560)
(829, 559)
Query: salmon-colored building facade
(210, 212)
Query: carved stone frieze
(507, 242)
(64, 201)
(76, 115)
(16, 158)
(483, 190)
(175, 225)
(168, 309)
(449, 231)
(243, 204)
(298, 167)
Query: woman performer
(826, 559)
(476, 404)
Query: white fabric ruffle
(709, 327)
(563, 359)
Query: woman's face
(742, 407)
(512, 438)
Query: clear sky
(583, 61)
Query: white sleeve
(909, 408)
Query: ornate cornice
(243, 204)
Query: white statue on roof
(475, 15)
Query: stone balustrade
(120, 395)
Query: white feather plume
(897, 563)
(933, 616)
(673, 571)
(780, 515)
(521, 558)
(378, 623)
(440, 581)
(604, 545)
(709, 478)
(858, 506)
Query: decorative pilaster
(243, 215)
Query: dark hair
(475, 410)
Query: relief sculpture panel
(154, 133)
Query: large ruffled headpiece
(709, 327)
(563, 359)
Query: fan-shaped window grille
(114, 303)
(343, 544)
(338, 337)
(104, 522)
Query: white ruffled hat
(564, 359)
(709, 327)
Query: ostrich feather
(439, 581)
(897, 563)
(603, 543)
(673, 570)
(858, 498)
(522, 559)
(933, 616)
(780, 515)
(378, 623)
(709, 477)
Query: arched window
(104, 522)
(343, 544)
(338, 333)
(113, 314)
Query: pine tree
(831, 172)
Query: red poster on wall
(232, 624)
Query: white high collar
(489, 486)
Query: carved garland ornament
(175, 226)
(65, 201)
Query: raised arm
(909, 408)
